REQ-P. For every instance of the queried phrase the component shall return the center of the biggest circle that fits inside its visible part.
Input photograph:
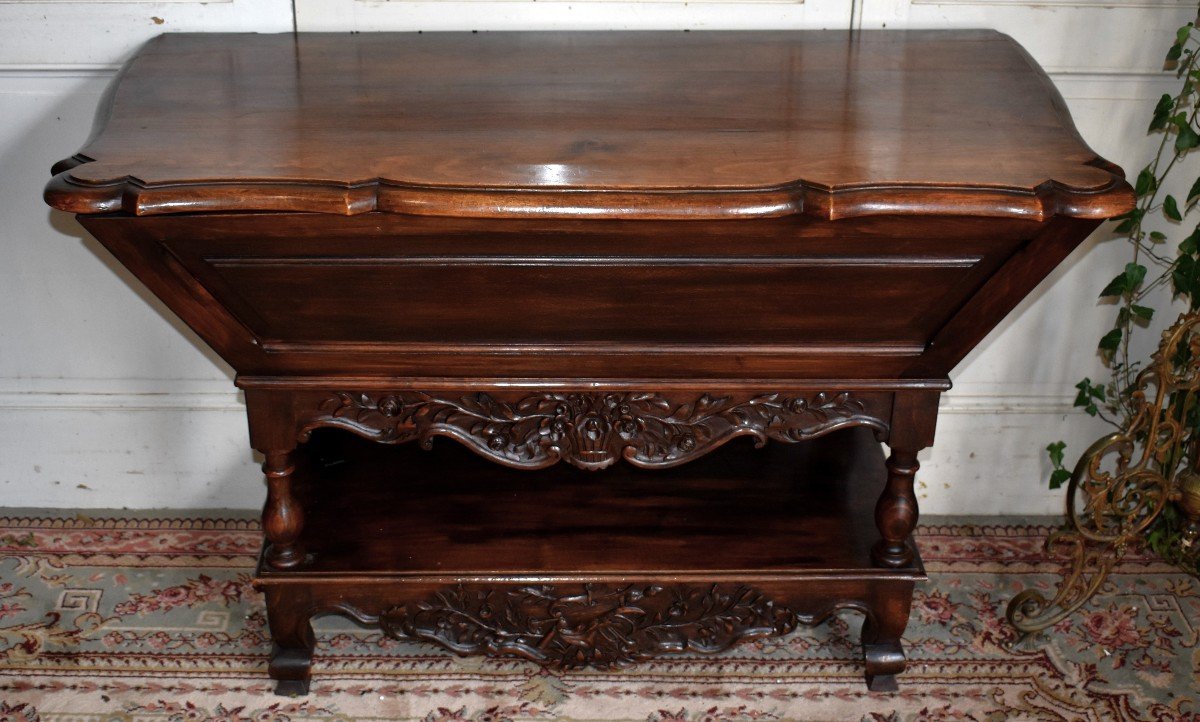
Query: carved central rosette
(588, 430)
(594, 625)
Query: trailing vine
(1154, 266)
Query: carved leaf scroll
(589, 624)
(588, 430)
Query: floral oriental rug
(155, 619)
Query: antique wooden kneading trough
(605, 263)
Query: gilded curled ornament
(588, 430)
(1125, 479)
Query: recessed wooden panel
(641, 301)
(394, 281)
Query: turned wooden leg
(896, 512)
(289, 619)
(882, 649)
(282, 516)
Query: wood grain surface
(652, 125)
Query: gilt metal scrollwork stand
(1125, 480)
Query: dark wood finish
(913, 418)
(283, 517)
(637, 125)
(642, 253)
(446, 513)
(403, 296)
(740, 544)
(591, 430)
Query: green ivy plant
(1152, 266)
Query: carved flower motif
(390, 406)
(589, 430)
(590, 624)
(593, 427)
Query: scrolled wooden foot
(293, 641)
(291, 688)
(896, 512)
(884, 662)
(283, 517)
(883, 651)
(291, 669)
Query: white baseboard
(145, 444)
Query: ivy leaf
(1181, 35)
(1171, 209)
(1059, 474)
(1194, 192)
(1109, 344)
(1185, 278)
(1143, 312)
(1055, 451)
(1189, 244)
(1146, 183)
(1129, 220)
(1115, 287)
(1125, 282)
(1088, 391)
(1157, 236)
(1162, 111)
(1187, 139)
(1135, 273)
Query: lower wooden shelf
(570, 568)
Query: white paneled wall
(103, 402)
(570, 14)
(106, 400)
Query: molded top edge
(647, 125)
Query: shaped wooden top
(607, 125)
